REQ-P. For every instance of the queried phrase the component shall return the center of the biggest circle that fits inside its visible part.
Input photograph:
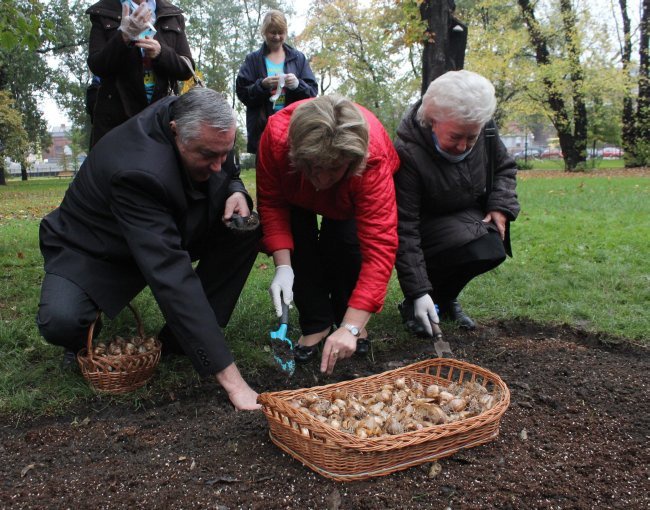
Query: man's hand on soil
(241, 395)
(244, 399)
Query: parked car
(551, 153)
(530, 152)
(612, 152)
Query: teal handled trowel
(281, 346)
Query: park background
(571, 75)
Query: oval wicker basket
(345, 457)
(118, 373)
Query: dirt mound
(575, 436)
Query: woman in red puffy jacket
(330, 157)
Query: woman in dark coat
(272, 77)
(450, 229)
(135, 68)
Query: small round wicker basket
(118, 373)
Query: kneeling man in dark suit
(152, 197)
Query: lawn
(581, 257)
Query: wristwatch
(352, 329)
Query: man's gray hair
(199, 107)
(460, 96)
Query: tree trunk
(554, 99)
(3, 181)
(445, 40)
(628, 132)
(577, 151)
(643, 104)
(23, 171)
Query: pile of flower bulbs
(403, 406)
(119, 346)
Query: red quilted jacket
(369, 199)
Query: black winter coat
(256, 97)
(121, 94)
(449, 197)
(132, 217)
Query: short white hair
(461, 96)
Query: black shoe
(413, 326)
(69, 361)
(453, 311)
(303, 353)
(363, 346)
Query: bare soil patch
(581, 399)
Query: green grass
(580, 257)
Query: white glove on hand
(135, 23)
(425, 312)
(291, 82)
(281, 288)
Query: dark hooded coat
(450, 198)
(121, 94)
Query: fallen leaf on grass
(20, 255)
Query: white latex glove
(291, 82)
(135, 23)
(281, 288)
(425, 312)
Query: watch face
(352, 329)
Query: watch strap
(355, 330)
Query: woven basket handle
(91, 329)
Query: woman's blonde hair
(327, 131)
(274, 20)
